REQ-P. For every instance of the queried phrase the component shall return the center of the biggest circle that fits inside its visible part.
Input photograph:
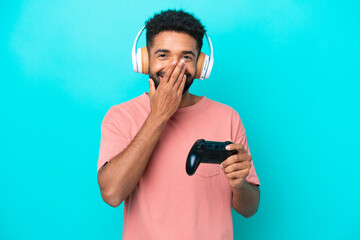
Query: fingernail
(182, 60)
(227, 147)
(174, 63)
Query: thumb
(151, 86)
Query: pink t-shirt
(167, 203)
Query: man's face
(170, 46)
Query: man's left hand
(237, 166)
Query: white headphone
(140, 59)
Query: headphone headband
(133, 52)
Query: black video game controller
(207, 152)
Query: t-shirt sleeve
(113, 140)
(239, 134)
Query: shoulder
(220, 107)
(130, 107)
(130, 104)
(226, 113)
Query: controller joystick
(207, 152)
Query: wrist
(157, 119)
(240, 186)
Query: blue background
(290, 68)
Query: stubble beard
(189, 79)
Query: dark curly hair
(174, 20)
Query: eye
(188, 58)
(161, 56)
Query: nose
(176, 59)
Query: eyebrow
(167, 51)
(189, 52)
(162, 50)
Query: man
(145, 142)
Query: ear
(200, 65)
(145, 60)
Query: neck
(187, 99)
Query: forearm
(118, 178)
(245, 199)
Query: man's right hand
(165, 100)
(119, 177)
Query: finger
(237, 166)
(180, 78)
(168, 71)
(182, 84)
(151, 87)
(242, 157)
(230, 160)
(238, 174)
(236, 146)
(176, 72)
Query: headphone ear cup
(138, 61)
(145, 60)
(200, 65)
(202, 71)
